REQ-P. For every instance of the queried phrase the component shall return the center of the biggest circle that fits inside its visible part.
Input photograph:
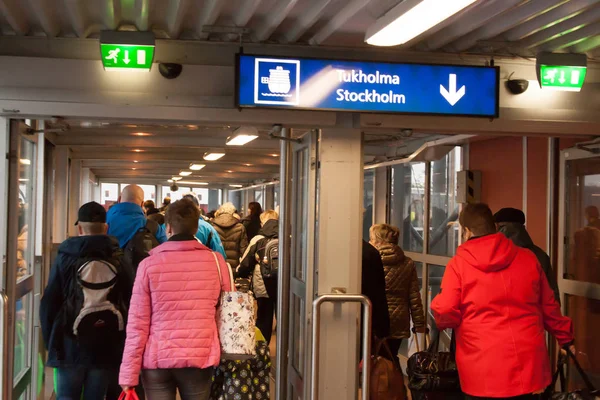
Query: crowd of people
(131, 301)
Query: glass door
(302, 286)
(18, 351)
(579, 255)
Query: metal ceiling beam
(507, 21)
(274, 19)
(338, 20)
(112, 14)
(13, 14)
(548, 19)
(142, 10)
(563, 28)
(472, 20)
(77, 16)
(245, 12)
(172, 156)
(176, 14)
(586, 45)
(306, 20)
(208, 16)
(571, 39)
(43, 13)
(172, 166)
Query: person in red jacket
(497, 299)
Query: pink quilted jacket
(172, 314)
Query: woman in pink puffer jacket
(172, 336)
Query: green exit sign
(127, 50)
(124, 56)
(558, 77)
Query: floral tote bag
(235, 322)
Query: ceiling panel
(500, 27)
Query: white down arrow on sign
(452, 95)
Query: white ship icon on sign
(278, 82)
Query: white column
(61, 194)
(74, 196)
(339, 244)
(85, 190)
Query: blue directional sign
(317, 84)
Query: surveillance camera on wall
(174, 188)
(517, 86)
(170, 70)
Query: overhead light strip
(411, 18)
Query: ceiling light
(236, 186)
(137, 150)
(141, 134)
(411, 18)
(248, 165)
(25, 161)
(193, 183)
(274, 155)
(170, 181)
(213, 156)
(185, 173)
(241, 136)
(135, 161)
(23, 180)
(229, 172)
(196, 167)
(134, 169)
(176, 178)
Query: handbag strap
(383, 343)
(231, 283)
(582, 373)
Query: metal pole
(283, 283)
(316, 339)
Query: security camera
(517, 86)
(170, 70)
(174, 188)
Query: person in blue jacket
(207, 234)
(127, 217)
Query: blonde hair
(227, 208)
(268, 215)
(384, 233)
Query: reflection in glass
(25, 237)
(585, 313)
(435, 275)
(582, 253)
(236, 198)
(298, 334)
(405, 343)
(22, 334)
(259, 197)
(443, 214)
(369, 186)
(407, 204)
(276, 196)
(301, 211)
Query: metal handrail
(316, 339)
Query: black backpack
(268, 254)
(140, 244)
(95, 306)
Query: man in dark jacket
(80, 367)
(511, 223)
(373, 286)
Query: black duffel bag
(590, 393)
(433, 374)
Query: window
(369, 186)
(110, 193)
(407, 204)
(149, 192)
(178, 195)
(235, 197)
(276, 195)
(444, 210)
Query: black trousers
(264, 317)
(192, 383)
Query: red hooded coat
(496, 297)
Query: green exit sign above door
(127, 50)
(121, 56)
(559, 77)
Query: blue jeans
(73, 381)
